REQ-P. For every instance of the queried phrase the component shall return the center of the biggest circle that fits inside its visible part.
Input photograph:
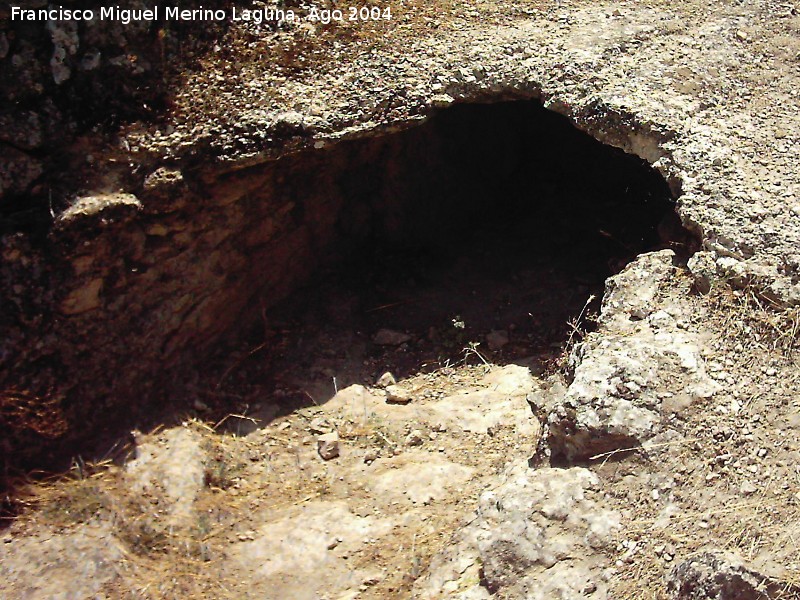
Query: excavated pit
(484, 234)
(478, 234)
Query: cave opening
(485, 233)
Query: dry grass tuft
(161, 559)
(756, 321)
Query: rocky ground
(457, 483)
(659, 460)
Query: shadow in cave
(489, 227)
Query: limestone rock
(49, 563)
(97, 207)
(169, 466)
(65, 43)
(630, 294)
(320, 425)
(503, 403)
(703, 269)
(721, 576)
(385, 380)
(415, 438)
(418, 477)
(328, 445)
(397, 395)
(613, 401)
(305, 543)
(538, 535)
(164, 190)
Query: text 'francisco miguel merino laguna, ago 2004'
(169, 13)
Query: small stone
(320, 425)
(328, 445)
(372, 579)
(397, 395)
(385, 380)
(415, 438)
(371, 456)
(703, 268)
(747, 488)
(388, 337)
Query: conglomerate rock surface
(139, 263)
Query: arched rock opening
(489, 227)
(265, 283)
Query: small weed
(217, 474)
(380, 433)
(471, 349)
(221, 471)
(578, 328)
(577, 325)
(77, 502)
(143, 535)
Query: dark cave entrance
(489, 227)
(480, 234)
